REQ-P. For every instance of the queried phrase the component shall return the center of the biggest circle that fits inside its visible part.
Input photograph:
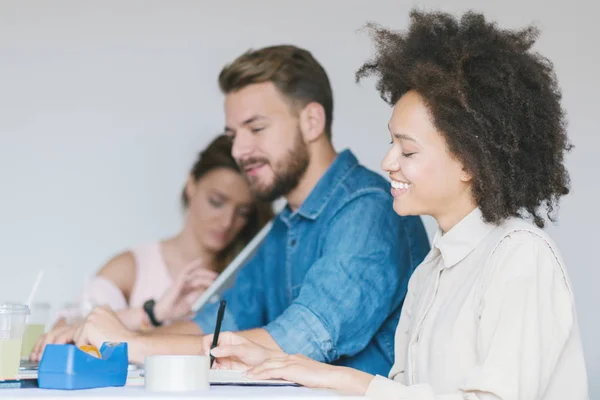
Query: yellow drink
(10, 351)
(31, 335)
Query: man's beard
(288, 172)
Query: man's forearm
(183, 338)
(262, 337)
(167, 343)
(179, 327)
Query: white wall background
(103, 106)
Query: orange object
(88, 348)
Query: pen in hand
(217, 329)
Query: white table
(215, 392)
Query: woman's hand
(311, 373)
(189, 284)
(236, 352)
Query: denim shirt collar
(318, 198)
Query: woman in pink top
(222, 217)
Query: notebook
(218, 377)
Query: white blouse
(489, 314)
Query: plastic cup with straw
(36, 321)
(13, 319)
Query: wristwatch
(149, 309)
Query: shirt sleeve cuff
(299, 331)
(207, 320)
(383, 388)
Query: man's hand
(236, 352)
(102, 325)
(62, 334)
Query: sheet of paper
(231, 377)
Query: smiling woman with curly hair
(496, 103)
(478, 142)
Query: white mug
(169, 373)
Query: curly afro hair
(496, 102)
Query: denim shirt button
(293, 242)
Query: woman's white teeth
(400, 185)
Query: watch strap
(149, 309)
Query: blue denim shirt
(330, 278)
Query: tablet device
(226, 279)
